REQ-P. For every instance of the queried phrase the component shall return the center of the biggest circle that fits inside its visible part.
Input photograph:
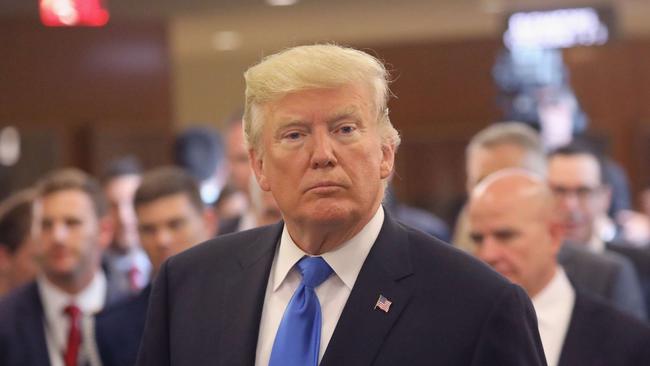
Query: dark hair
(126, 165)
(199, 150)
(74, 179)
(166, 181)
(16, 219)
(581, 147)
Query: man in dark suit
(583, 195)
(46, 321)
(514, 226)
(339, 282)
(171, 218)
(515, 145)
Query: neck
(545, 280)
(319, 238)
(69, 284)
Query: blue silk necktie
(297, 341)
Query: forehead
(69, 201)
(574, 169)
(167, 207)
(307, 105)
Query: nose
(323, 150)
(59, 232)
(163, 239)
(489, 251)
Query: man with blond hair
(339, 281)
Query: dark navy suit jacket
(22, 336)
(118, 330)
(600, 335)
(447, 308)
(22, 332)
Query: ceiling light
(281, 2)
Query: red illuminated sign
(67, 13)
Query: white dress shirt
(119, 266)
(554, 308)
(346, 262)
(57, 324)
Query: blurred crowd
(78, 252)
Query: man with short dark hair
(47, 321)
(171, 218)
(583, 195)
(17, 253)
(125, 260)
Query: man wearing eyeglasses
(582, 196)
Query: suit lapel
(244, 299)
(384, 273)
(32, 328)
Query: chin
(330, 213)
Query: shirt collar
(596, 244)
(90, 300)
(346, 260)
(559, 291)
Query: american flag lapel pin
(383, 304)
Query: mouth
(325, 187)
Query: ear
(257, 164)
(606, 197)
(556, 231)
(5, 261)
(387, 160)
(210, 221)
(106, 231)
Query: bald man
(513, 224)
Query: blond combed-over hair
(311, 67)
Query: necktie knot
(314, 271)
(72, 311)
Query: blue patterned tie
(297, 341)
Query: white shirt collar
(554, 309)
(346, 260)
(596, 244)
(90, 300)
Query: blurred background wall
(83, 95)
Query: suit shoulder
(13, 304)
(223, 251)
(612, 322)
(434, 258)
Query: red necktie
(74, 336)
(134, 279)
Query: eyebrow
(346, 112)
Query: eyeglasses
(581, 192)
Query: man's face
(323, 159)
(515, 240)
(169, 225)
(579, 194)
(240, 169)
(482, 162)
(70, 236)
(119, 192)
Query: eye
(346, 129)
(505, 235)
(293, 136)
(476, 238)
